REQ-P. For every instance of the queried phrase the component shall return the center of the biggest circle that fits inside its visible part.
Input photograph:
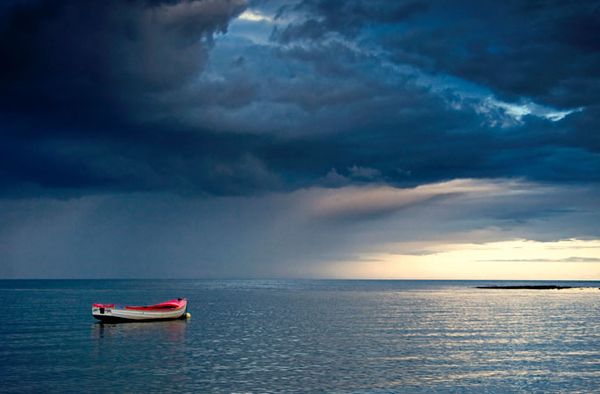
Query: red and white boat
(169, 310)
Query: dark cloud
(125, 96)
(346, 16)
(79, 82)
(146, 159)
(543, 50)
(104, 58)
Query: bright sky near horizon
(509, 260)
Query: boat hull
(114, 319)
(110, 313)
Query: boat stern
(103, 311)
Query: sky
(399, 139)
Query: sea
(302, 336)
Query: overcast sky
(299, 138)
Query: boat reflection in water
(169, 330)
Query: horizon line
(318, 279)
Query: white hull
(121, 314)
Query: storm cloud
(342, 113)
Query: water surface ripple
(301, 336)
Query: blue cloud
(232, 98)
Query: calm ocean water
(301, 336)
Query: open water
(301, 336)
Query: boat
(168, 310)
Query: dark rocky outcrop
(526, 287)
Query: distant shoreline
(527, 287)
